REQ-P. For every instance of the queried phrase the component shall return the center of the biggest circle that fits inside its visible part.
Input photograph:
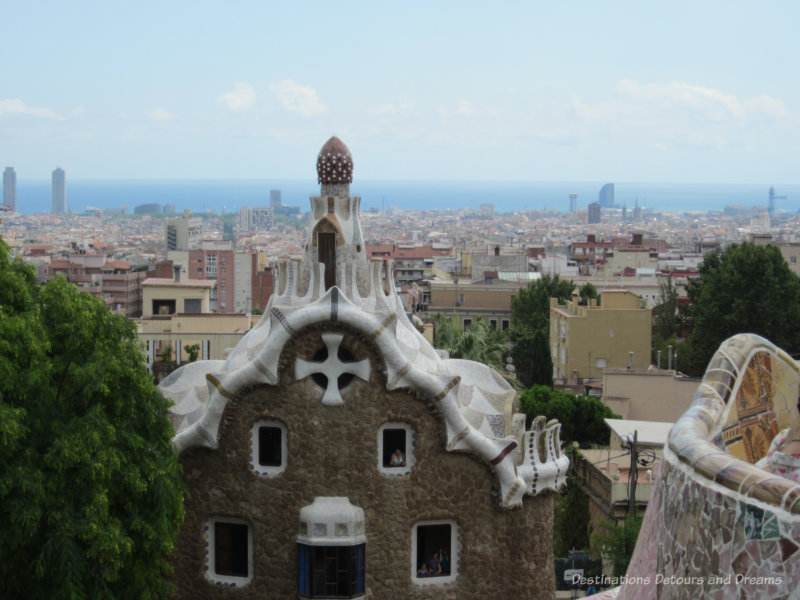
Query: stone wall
(333, 451)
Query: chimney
(176, 273)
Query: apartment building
(585, 340)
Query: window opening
(396, 443)
(331, 571)
(230, 549)
(326, 247)
(270, 446)
(394, 447)
(434, 552)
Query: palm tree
(478, 342)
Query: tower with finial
(335, 450)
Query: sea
(34, 196)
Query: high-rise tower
(10, 188)
(606, 196)
(573, 202)
(59, 192)
(595, 212)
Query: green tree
(90, 485)
(530, 331)
(617, 542)
(665, 314)
(581, 417)
(588, 292)
(745, 289)
(571, 511)
(193, 351)
(165, 354)
(478, 342)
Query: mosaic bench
(717, 526)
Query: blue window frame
(330, 571)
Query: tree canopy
(745, 289)
(478, 342)
(90, 485)
(530, 331)
(581, 417)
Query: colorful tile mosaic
(717, 526)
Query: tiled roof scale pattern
(334, 163)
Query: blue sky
(677, 91)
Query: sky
(680, 91)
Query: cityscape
(400, 302)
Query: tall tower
(10, 188)
(573, 202)
(606, 196)
(59, 192)
(275, 199)
(595, 212)
(335, 239)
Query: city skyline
(584, 92)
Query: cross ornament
(332, 367)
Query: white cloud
(465, 108)
(14, 106)
(712, 101)
(772, 107)
(242, 97)
(388, 109)
(298, 98)
(160, 114)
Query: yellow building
(584, 340)
(489, 299)
(213, 333)
(164, 296)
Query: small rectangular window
(270, 452)
(231, 549)
(394, 447)
(493, 323)
(268, 448)
(433, 546)
(192, 305)
(396, 443)
(506, 324)
(467, 323)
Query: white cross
(332, 368)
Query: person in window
(398, 459)
(444, 562)
(783, 456)
(434, 566)
(423, 571)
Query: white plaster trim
(258, 468)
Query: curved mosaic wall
(717, 526)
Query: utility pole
(633, 475)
